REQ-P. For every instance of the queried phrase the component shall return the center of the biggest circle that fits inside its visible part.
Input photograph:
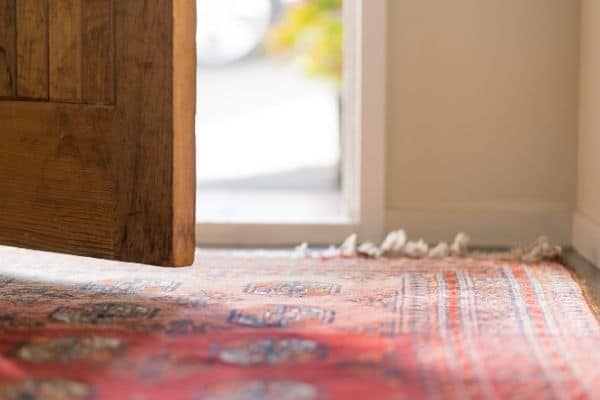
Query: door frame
(364, 127)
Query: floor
(251, 121)
(245, 325)
(587, 275)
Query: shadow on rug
(260, 325)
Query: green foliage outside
(311, 34)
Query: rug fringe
(396, 244)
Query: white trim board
(487, 225)
(371, 121)
(266, 235)
(586, 237)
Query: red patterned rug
(252, 325)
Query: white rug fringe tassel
(396, 244)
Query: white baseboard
(486, 224)
(586, 237)
(270, 234)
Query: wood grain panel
(32, 49)
(65, 50)
(114, 181)
(98, 62)
(8, 57)
(56, 187)
(151, 226)
(144, 59)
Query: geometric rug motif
(246, 325)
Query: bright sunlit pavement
(268, 115)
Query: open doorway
(269, 107)
(284, 97)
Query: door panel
(32, 48)
(65, 59)
(97, 133)
(98, 52)
(8, 56)
(56, 185)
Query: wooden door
(97, 103)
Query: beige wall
(482, 118)
(586, 235)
